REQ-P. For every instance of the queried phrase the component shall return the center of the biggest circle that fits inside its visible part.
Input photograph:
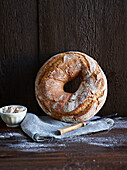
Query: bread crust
(71, 107)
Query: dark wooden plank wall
(32, 31)
(19, 52)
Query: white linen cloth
(41, 128)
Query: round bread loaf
(71, 107)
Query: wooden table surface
(103, 150)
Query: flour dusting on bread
(80, 105)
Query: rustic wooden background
(31, 31)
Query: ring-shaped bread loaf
(71, 107)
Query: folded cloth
(44, 127)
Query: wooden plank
(114, 54)
(103, 150)
(97, 28)
(19, 53)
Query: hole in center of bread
(72, 86)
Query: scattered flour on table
(24, 144)
(9, 135)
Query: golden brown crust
(70, 107)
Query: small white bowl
(13, 119)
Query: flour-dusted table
(103, 150)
